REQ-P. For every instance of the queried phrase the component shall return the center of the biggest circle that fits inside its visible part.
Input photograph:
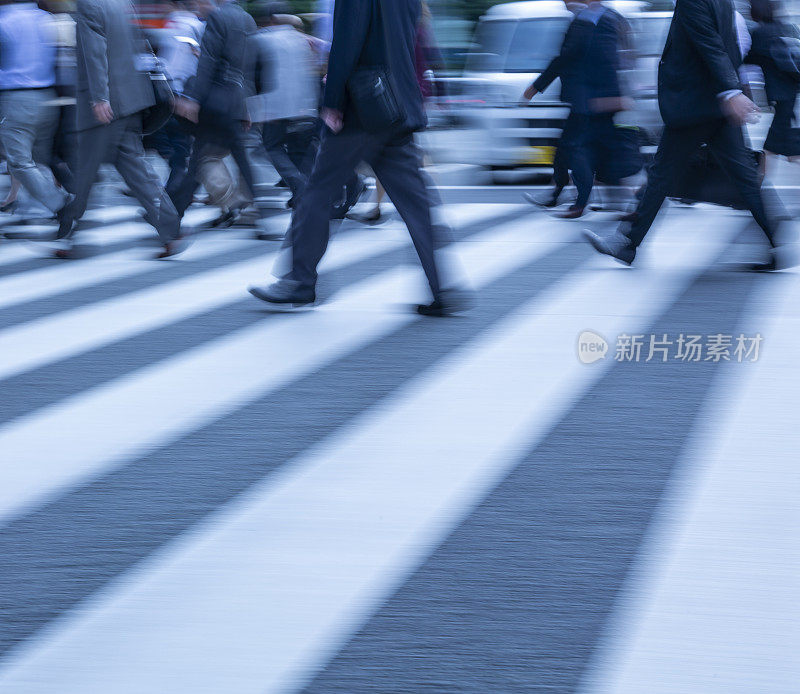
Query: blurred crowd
(214, 83)
(84, 87)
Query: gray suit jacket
(107, 62)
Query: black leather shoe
(618, 246)
(284, 293)
(374, 217)
(450, 302)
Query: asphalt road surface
(588, 483)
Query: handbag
(156, 116)
(705, 181)
(619, 156)
(372, 93)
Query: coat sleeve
(210, 51)
(697, 19)
(91, 38)
(552, 71)
(568, 52)
(350, 25)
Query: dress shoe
(618, 246)
(172, 248)
(284, 292)
(374, 217)
(65, 218)
(547, 201)
(450, 302)
(571, 213)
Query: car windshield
(517, 46)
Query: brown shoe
(571, 213)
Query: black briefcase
(618, 155)
(373, 99)
(705, 181)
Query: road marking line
(262, 593)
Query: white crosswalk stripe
(263, 592)
(712, 606)
(205, 383)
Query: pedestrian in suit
(111, 95)
(781, 87)
(588, 65)
(28, 99)
(215, 99)
(701, 101)
(359, 41)
(287, 95)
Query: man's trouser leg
(676, 145)
(576, 140)
(137, 173)
(93, 146)
(27, 132)
(310, 230)
(275, 138)
(398, 167)
(727, 145)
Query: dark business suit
(782, 88)
(106, 50)
(358, 40)
(588, 65)
(221, 86)
(700, 62)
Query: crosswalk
(200, 495)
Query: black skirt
(783, 138)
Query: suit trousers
(581, 137)
(30, 119)
(120, 143)
(396, 161)
(677, 145)
(215, 132)
(289, 143)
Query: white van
(514, 42)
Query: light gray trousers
(29, 121)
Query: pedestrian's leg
(276, 139)
(91, 149)
(729, 149)
(144, 184)
(181, 190)
(310, 228)
(676, 145)
(26, 131)
(398, 168)
(575, 141)
(240, 156)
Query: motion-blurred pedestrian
(286, 96)
(371, 114)
(588, 65)
(28, 99)
(701, 102)
(112, 94)
(215, 99)
(782, 85)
